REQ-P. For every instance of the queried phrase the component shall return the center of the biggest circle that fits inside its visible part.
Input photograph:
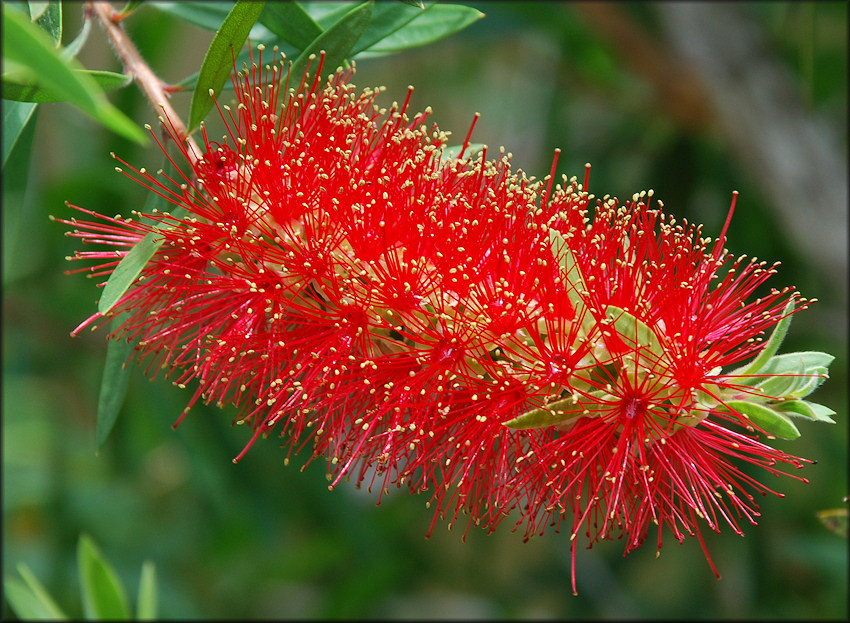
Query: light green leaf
(337, 41)
(772, 345)
(29, 599)
(73, 48)
(20, 89)
(633, 331)
(570, 271)
(102, 592)
(836, 519)
(803, 408)
(290, 22)
(131, 6)
(28, 45)
(16, 117)
(113, 384)
(769, 420)
(146, 606)
(472, 150)
(553, 413)
(218, 62)
(437, 22)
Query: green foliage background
(260, 540)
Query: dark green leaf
(30, 91)
(102, 592)
(772, 422)
(291, 23)
(132, 264)
(29, 599)
(209, 16)
(218, 61)
(29, 46)
(337, 41)
(16, 117)
(16, 172)
(113, 384)
(146, 606)
(436, 22)
(48, 17)
(387, 18)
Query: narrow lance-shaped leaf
(770, 421)
(803, 408)
(772, 344)
(30, 600)
(113, 385)
(48, 17)
(633, 331)
(16, 117)
(27, 90)
(218, 61)
(290, 22)
(568, 408)
(147, 605)
(337, 41)
(436, 22)
(29, 46)
(387, 18)
(102, 592)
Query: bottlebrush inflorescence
(426, 318)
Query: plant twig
(140, 72)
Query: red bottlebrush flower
(342, 280)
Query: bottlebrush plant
(421, 315)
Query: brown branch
(136, 67)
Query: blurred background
(692, 100)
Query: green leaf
(803, 408)
(337, 41)
(553, 413)
(16, 117)
(146, 606)
(29, 599)
(23, 90)
(291, 23)
(73, 48)
(633, 331)
(387, 18)
(437, 22)
(28, 45)
(570, 271)
(218, 61)
(209, 16)
(15, 180)
(113, 384)
(102, 592)
(48, 17)
(772, 344)
(769, 420)
(472, 150)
